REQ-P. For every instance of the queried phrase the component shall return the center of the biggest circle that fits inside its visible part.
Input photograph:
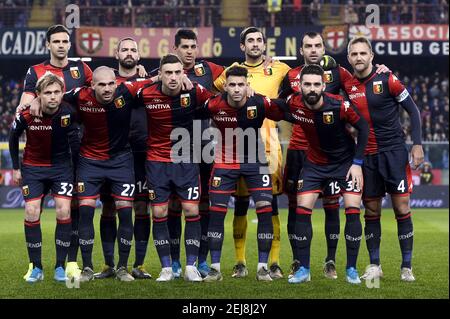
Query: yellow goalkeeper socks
(240, 236)
(274, 256)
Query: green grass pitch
(430, 265)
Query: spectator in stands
(314, 9)
(394, 13)
(350, 15)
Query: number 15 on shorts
(193, 193)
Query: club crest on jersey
(328, 117)
(328, 76)
(299, 184)
(268, 71)
(65, 120)
(151, 194)
(185, 100)
(74, 72)
(199, 69)
(80, 187)
(378, 87)
(251, 112)
(25, 190)
(119, 102)
(216, 181)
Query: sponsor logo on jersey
(119, 102)
(157, 106)
(40, 128)
(199, 70)
(252, 112)
(151, 194)
(74, 72)
(25, 190)
(328, 76)
(65, 120)
(377, 87)
(80, 187)
(185, 100)
(328, 117)
(222, 116)
(216, 181)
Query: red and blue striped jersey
(377, 99)
(50, 138)
(75, 74)
(106, 127)
(166, 113)
(328, 139)
(334, 81)
(250, 117)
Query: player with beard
(312, 48)
(332, 159)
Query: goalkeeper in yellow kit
(265, 81)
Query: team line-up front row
(143, 113)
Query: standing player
(47, 165)
(312, 49)
(105, 112)
(128, 56)
(265, 81)
(240, 156)
(168, 107)
(332, 157)
(386, 164)
(74, 74)
(204, 73)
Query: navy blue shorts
(256, 176)
(117, 171)
(328, 180)
(37, 181)
(141, 190)
(165, 179)
(387, 172)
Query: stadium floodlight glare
(80, 58)
(285, 58)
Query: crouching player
(332, 161)
(47, 165)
